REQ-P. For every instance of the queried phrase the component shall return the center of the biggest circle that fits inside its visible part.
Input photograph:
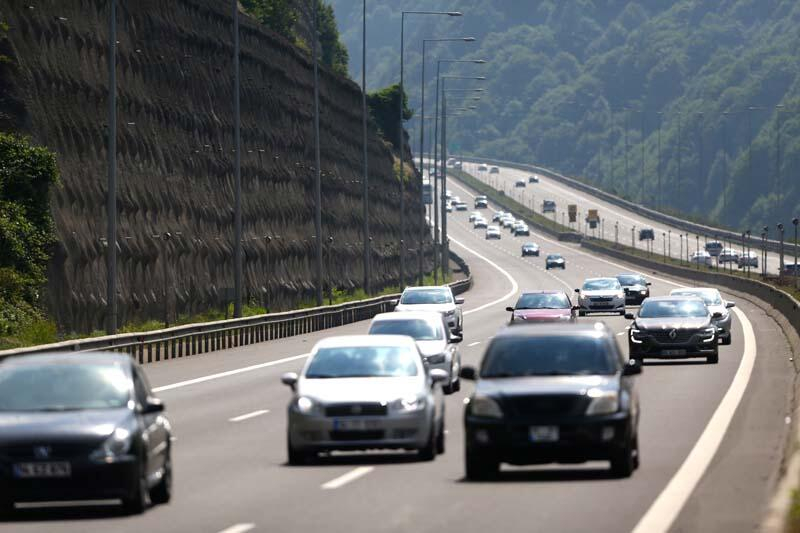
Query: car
(601, 295)
(790, 269)
(519, 184)
(673, 327)
(455, 199)
(748, 259)
(461, 206)
(548, 206)
(507, 221)
(714, 248)
(437, 344)
(481, 202)
(449, 207)
(497, 216)
(522, 229)
(494, 170)
(728, 255)
(451, 161)
(514, 225)
(552, 393)
(361, 392)
(647, 234)
(701, 257)
(473, 215)
(530, 248)
(635, 286)
(555, 261)
(533, 179)
(541, 306)
(492, 232)
(448, 194)
(482, 168)
(716, 304)
(433, 298)
(479, 223)
(457, 165)
(82, 426)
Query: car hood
(431, 347)
(671, 323)
(439, 308)
(607, 293)
(542, 314)
(95, 424)
(345, 390)
(544, 385)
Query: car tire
(139, 499)
(726, 341)
(478, 467)
(457, 385)
(713, 359)
(637, 458)
(6, 508)
(428, 452)
(440, 438)
(622, 313)
(581, 313)
(162, 492)
(296, 456)
(622, 460)
(547, 268)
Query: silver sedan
(365, 392)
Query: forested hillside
(589, 88)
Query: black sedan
(673, 327)
(530, 248)
(552, 393)
(555, 261)
(636, 288)
(81, 427)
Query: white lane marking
(348, 477)
(620, 333)
(238, 528)
(473, 344)
(509, 294)
(212, 377)
(666, 508)
(248, 416)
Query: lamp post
(780, 262)
(764, 246)
(664, 240)
(237, 135)
(681, 250)
(401, 129)
(317, 163)
(778, 191)
(616, 233)
(795, 220)
(111, 192)
(747, 262)
(365, 178)
(697, 249)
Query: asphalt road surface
(711, 436)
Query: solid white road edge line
(509, 294)
(238, 528)
(348, 477)
(666, 508)
(248, 416)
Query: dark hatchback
(636, 288)
(552, 394)
(81, 427)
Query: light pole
(780, 263)
(111, 192)
(681, 250)
(778, 191)
(237, 135)
(795, 220)
(747, 262)
(669, 243)
(317, 171)
(402, 131)
(697, 249)
(365, 178)
(766, 238)
(664, 241)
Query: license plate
(354, 424)
(33, 470)
(543, 433)
(674, 352)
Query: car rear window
(418, 329)
(552, 355)
(432, 296)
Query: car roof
(427, 288)
(556, 329)
(409, 315)
(68, 358)
(543, 291)
(342, 341)
(600, 279)
(692, 290)
(674, 297)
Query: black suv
(636, 288)
(552, 393)
(673, 327)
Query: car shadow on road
(360, 459)
(679, 362)
(548, 476)
(52, 514)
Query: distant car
(533, 179)
(701, 257)
(482, 168)
(714, 248)
(728, 255)
(448, 207)
(354, 392)
(82, 426)
(647, 234)
(461, 206)
(530, 248)
(474, 215)
(494, 170)
(674, 327)
(457, 165)
(552, 393)
(636, 288)
(555, 261)
(507, 221)
(448, 194)
(520, 184)
(451, 161)
(493, 232)
(455, 199)
(716, 304)
(481, 202)
(548, 206)
(601, 295)
(437, 344)
(439, 299)
(542, 306)
(522, 229)
(479, 223)
(790, 269)
(748, 259)
(497, 216)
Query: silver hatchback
(365, 392)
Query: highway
(228, 414)
(666, 236)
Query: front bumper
(636, 297)
(526, 253)
(652, 349)
(555, 265)
(614, 306)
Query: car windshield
(418, 329)
(363, 362)
(709, 296)
(601, 285)
(554, 256)
(673, 308)
(548, 356)
(63, 387)
(628, 280)
(427, 296)
(543, 301)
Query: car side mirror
(648, 284)
(730, 304)
(716, 315)
(468, 373)
(459, 301)
(625, 290)
(510, 309)
(394, 302)
(455, 339)
(632, 367)
(576, 307)
(153, 405)
(289, 379)
(577, 290)
(439, 376)
(629, 316)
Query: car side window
(140, 387)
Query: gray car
(439, 299)
(438, 345)
(365, 392)
(716, 304)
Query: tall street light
(111, 192)
(237, 210)
(365, 178)
(425, 42)
(402, 132)
(317, 171)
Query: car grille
(356, 409)
(356, 435)
(52, 450)
(663, 337)
(545, 404)
(600, 299)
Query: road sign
(572, 211)
(427, 193)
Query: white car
(492, 232)
(701, 258)
(436, 298)
(479, 222)
(728, 255)
(474, 215)
(601, 295)
(716, 304)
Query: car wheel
(547, 268)
(457, 385)
(428, 452)
(479, 467)
(448, 389)
(726, 341)
(622, 313)
(637, 458)
(713, 359)
(139, 498)
(296, 456)
(440, 437)
(6, 508)
(162, 492)
(622, 460)
(581, 313)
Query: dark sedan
(555, 261)
(81, 427)
(530, 248)
(674, 327)
(553, 393)
(636, 288)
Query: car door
(154, 426)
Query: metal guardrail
(192, 339)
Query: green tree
(278, 15)
(383, 105)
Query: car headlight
(603, 402)
(408, 404)
(307, 406)
(643, 292)
(636, 336)
(116, 446)
(710, 333)
(486, 407)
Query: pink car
(542, 306)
